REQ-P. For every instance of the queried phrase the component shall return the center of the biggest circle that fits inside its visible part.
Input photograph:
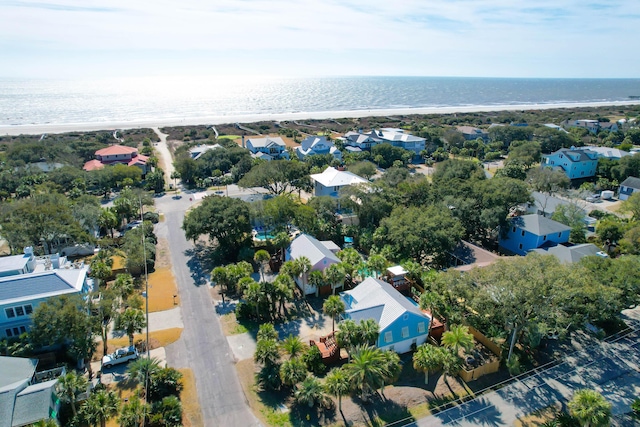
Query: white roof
(332, 177)
(312, 248)
(378, 300)
(266, 142)
(199, 150)
(397, 270)
(261, 155)
(608, 152)
(13, 262)
(329, 244)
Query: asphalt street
(202, 346)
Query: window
(520, 245)
(8, 332)
(388, 336)
(421, 328)
(16, 332)
(544, 237)
(523, 232)
(28, 309)
(559, 234)
(513, 230)
(23, 329)
(10, 313)
(405, 316)
(405, 332)
(19, 311)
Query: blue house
(331, 180)
(313, 145)
(575, 163)
(533, 231)
(27, 281)
(401, 321)
(274, 147)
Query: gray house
(628, 187)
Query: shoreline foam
(35, 129)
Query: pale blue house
(274, 147)
(401, 322)
(27, 281)
(331, 180)
(575, 163)
(317, 145)
(533, 231)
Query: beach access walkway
(165, 156)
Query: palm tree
(134, 413)
(283, 288)
(266, 331)
(333, 306)
(100, 271)
(123, 286)
(293, 371)
(261, 257)
(70, 385)
(377, 263)
(316, 279)
(281, 241)
(451, 363)
(369, 332)
(108, 220)
(220, 277)
(310, 392)
(289, 268)
(366, 371)
(429, 301)
(254, 295)
(414, 271)
(427, 358)
(458, 336)
(45, 423)
(335, 275)
(100, 407)
(337, 384)
(174, 176)
(293, 346)
(266, 352)
(131, 321)
(303, 266)
(348, 335)
(142, 369)
(392, 367)
(590, 408)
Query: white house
(329, 182)
(320, 254)
(313, 145)
(26, 281)
(197, 151)
(273, 146)
(628, 187)
(398, 138)
(400, 320)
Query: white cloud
(452, 37)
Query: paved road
(202, 346)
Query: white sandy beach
(36, 129)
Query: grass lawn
(231, 326)
(162, 288)
(191, 412)
(156, 339)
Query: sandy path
(166, 160)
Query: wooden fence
(487, 368)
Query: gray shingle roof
(312, 248)
(48, 283)
(378, 300)
(539, 225)
(571, 254)
(632, 182)
(14, 369)
(32, 404)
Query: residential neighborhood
(410, 270)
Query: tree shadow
(200, 262)
(478, 412)
(378, 411)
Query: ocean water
(37, 102)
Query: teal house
(533, 231)
(575, 163)
(401, 322)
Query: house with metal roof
(571, 254)
(317, 145)
(30, 281)
(575, 163)
(363, 141)
(401, 322)
(609, 152)
(24, 400)
(533, 231)
(628, 187)
(273, 146)
(117, 154)
(198, 151)
(329, 182)
(320, 254)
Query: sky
(478, 38)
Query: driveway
(202, 346)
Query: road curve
(202, 346)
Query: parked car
(594, 198)
(121, 355)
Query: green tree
(337, 384)
(377, 263)
(281, 241)
(293, 371)
(368, 330)
(335, 276)
(165, 382)
(277, 176)
(167, 412)
(131, 321)
(108, 220)
(70, 386)
(547, 181)
(266, 331)
(364, 169)
(262, 257)
(333, 306)
(266, 352)
(590, 408)
(348, 335)
(123, 286)
(310, 392)
(293, 346)
(134, 413)
(458, 336)
(367, 370)
(100, 407)
(632, 206)
(429, 301)
(225, 220)
(142, 369)
(427, 358)
(302, 267)
(284, 287)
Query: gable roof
(15, 369)
(539, 225)
(609, 153)
(312, 248)
(266, 142)
(93, 165)
(378, 300)
(582, 155)
(632, 182)
(570, 254)
(197, 151)
(25, 287)
(332, 177)
(115, 150)
(32, 404)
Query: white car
(121, 355)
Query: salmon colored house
(117, 154)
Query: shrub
(165, 382)
(243, 310)
(313, 359)
(154, 217)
